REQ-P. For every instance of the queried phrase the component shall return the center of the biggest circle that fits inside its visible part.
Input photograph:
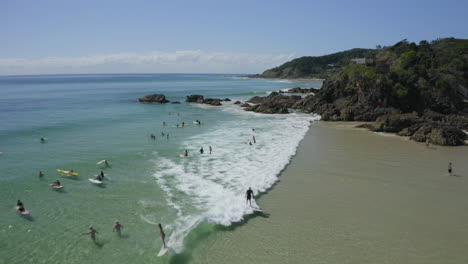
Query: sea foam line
(215, 184)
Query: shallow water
(87, 118)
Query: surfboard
(56, 187)
(162, 251)
(67, 172)
(182, 156)
(25, 212)
(95, 181)
(101, 162)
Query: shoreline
(370, 208)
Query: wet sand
(352, 196)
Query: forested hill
(316, 67)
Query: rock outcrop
(274, 103)
(153, 99)
(196, 98)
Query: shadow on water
(123, 236)
(98, 244)
(28, 217)
(61, 190)
(202, 232)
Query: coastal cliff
(419, 91)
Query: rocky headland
(419, 91)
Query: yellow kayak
(67, 172)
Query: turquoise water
(87, 118)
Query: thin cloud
(195, 61)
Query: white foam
(215, 184)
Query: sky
(201, 36)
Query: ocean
(88, 118)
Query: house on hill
(362, 61)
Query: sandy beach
(352, 196)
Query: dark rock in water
(245, 105)
(237, 102)
(176, 102)
(301, 90)
(153, 99)
(194, 98)
(274, 103)
(212, 101)
(227, 100)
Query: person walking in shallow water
(163, 236)
(450, 168)
(91, 232)
(117, 227)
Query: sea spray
(214, 185)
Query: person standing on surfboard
(102, 174)
(201, 150)
(163, 236)
(91, 232)
(249, 195)
(253, 137)
(211, 149)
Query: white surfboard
(163, 251)
(95, 181)
(182, 156)
(101, 162)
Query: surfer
(42, 140)
(253, 137)
(250, 143)
(102, 174)
(107, 164)
(153, 137)
(20, 206)
(450, 168)
(253, 129)
(71, 171)
(56, 183)
(162, 134)
(211, 149)
(249, 195)
(163, 236)
(183, 123)
(41, 174)
(117, 226)
(185, 153)
(164, 123)
(201, 150)
(91, 232)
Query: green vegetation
(317, 67)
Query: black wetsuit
(249, 194)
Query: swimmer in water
(91, 232)
(117, 226)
